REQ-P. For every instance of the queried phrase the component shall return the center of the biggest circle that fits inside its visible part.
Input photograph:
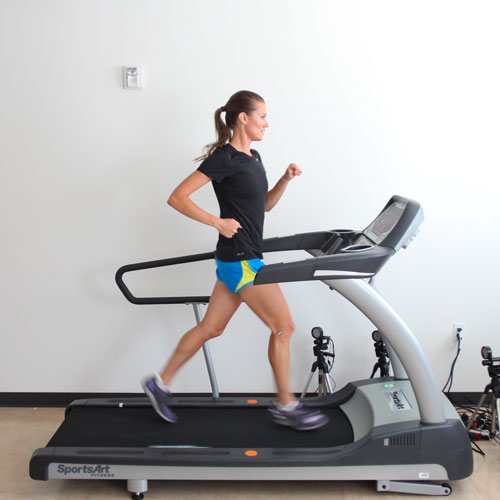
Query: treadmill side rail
(432, 472)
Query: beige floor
(22, 430)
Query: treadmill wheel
(447, 489)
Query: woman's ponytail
(243, 101)
(223, 131)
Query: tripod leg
(384, 370)
(494, 416)
(496, 432)
(325, 387)
(329, 389)
(304, 392)
(476, 411)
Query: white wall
(369, 98)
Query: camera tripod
(321, 345)
(492, 390)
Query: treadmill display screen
(380, 228)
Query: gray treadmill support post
(208, 357)
(403, 342)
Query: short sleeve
(215, 166)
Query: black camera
(383, 362)
(324, 350)
(380, 348)
(322, 343)
(488, 359)
(493, 365)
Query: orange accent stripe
(251, 453)
(252, 401)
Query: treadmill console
(396, 226)
(385, 222)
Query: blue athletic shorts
(237, 275)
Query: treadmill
(400, 430)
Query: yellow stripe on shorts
(248, 275)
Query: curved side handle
(161, 263)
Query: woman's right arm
(181, 201)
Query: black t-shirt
(240, 184)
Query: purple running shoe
(299, 418)
(159, 396)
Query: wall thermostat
(132, 77)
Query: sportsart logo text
(396, 400)
(91, 470)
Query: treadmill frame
(426, 438)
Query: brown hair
(243, 101)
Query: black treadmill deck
(198, 427)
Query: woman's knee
(208, 331)
(285, 328)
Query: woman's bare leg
(223, 304)
(268, 302)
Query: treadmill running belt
(204, 427)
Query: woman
(240, 184)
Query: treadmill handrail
(300, 241)
(354, 265)
(161, 263)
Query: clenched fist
(228, 227)
(292, 171)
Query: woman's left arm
(277, 191)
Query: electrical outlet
(458, 331)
